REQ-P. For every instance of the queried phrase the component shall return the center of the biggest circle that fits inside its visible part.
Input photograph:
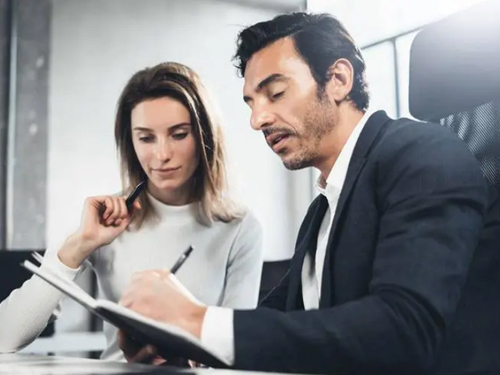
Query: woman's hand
(103, 219)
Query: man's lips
(274, 138)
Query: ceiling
(286, 5)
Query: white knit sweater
(223, 270)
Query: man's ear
(341, 74)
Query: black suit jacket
(407, 223)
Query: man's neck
(332, 144)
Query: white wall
(369, 21)
(96, 46)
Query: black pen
(134, 194)
(181, 260)
(129, 202)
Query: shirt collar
(333, 185)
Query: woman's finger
(116, 211)
(123, 208)
(109, 209)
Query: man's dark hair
(320, 39)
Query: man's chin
(294, 164)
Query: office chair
(272, 273)
(455, 82)
(12, 276)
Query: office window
(380, 72)
(388, 73)
(403, 45)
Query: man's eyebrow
(271, 79)
(266, 82)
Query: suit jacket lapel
(306, 243)
(366, 139)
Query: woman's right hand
(103, 219)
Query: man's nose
(261, 118)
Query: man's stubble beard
(318, 122)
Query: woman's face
(165, 145)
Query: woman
(167, 134)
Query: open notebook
(170, 340)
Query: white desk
(66, 342)
(23, 364)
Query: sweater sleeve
(27, 310)
(244, 266)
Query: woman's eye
(180, 136)
(146, 139)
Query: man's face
(283, 97)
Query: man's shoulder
(411, 148)
(425, 152)
(404, 134)
(409, 130)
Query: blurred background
(63, 64)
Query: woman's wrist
(74, 251)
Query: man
(384, 251)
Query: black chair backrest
(272, 273)
(12, 275)
(455, 80)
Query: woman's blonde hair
(208, 183)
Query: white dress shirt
(217, 331)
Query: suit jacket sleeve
(432, 197)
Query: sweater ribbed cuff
(52, 262)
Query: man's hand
(157, 294)
(136, 352)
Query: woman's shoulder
(248, 236)
(245, 223)
(240, 215)
(249, 219)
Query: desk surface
(17, 364)
(66, 342)
(24, 364)
(45, 365)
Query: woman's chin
(166, 185)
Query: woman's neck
(177, 197)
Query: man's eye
(278, 95)
(180, 136)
